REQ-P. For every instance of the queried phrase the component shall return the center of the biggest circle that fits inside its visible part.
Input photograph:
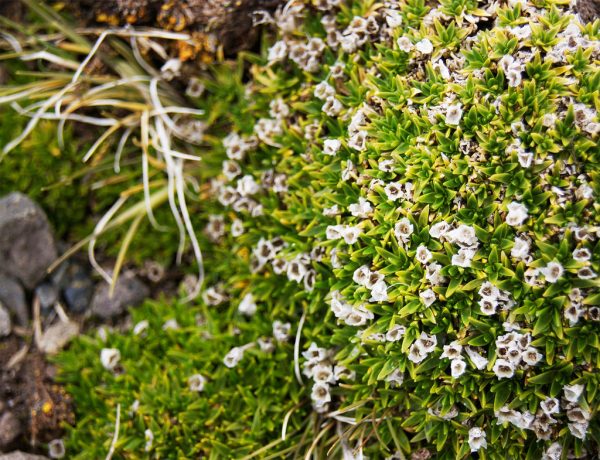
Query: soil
(28, 391)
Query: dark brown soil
(27, 390)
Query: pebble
(10, 429)
(5, 322)
(129, 292)
(12, 296)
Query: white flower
(171, 69)
(423, 254)
(141, 327)
(439, 230)
(56, 448)
(524, 420)
(531, 356)
(477, 439)
(517, 214)
(433, 274)
(424, 46)
(323, 373)
(393, 18)
(110, 357)
(234, 356)
(463, 257)
(320, 393)
(452, 350)
(395, 333)
(488, 306)
(554, 452)
(457, 367)
(342, 372)
(504, 369)
(314, 353)
(464, 235)
(237, 228)
(196, 382)
(582, 254)
(332, 211)
(395, 378)
(296, 269)
(489, 291)
(277, 52)
(520, 249)
(247, 186)
(331, 146)
(550, 406)
(332, 107)
(505, 414)
(417, 352)
(428, 297)
(361, 275)
(525, 158)
(572, 393)
(149, 437)
(360, 209)
(265, 344)
(405, 44)
(453, 114)
(247, 306)
(351, 234)
(379, 292)
(281, 330)
(358, 140)
(478, 360)
(403, 229)
(324, 91)
(334, 232)
(552, 272)
(170, 324)
(393, 191)
(579, 430)
(428, 342)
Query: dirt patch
(29, 394)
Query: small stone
(47, 295)
(12, 296)
(57, 336)
(10, 429)
(27, 245)
(18, 455)
(5, 323)
(129, 292)
(78, 289)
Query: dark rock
(27, 246)
(129, 292)
(47, 294)
(78, 288)
(18, 455)
(588, 10)
(10, 429)
(12, 296)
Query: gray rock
(129, 292)
(12, 296)
(57, 336)
(47, 294)
(78, 289)
(10, 429)
(27, 246)
(18, 455)
(5, 323)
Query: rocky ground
(40, 312)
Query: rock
(10, 429)
(588, 10)
(78, 288)
(47, 294)
(129, 292)
(18, 455)
(5, 323)
(12, 296)
(57, 336)
(27, 246)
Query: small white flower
(332, 211)
(405, 44)
(552, 272)
(403, 229)
(488, 306)
(358, 140)
(332, 107)
(439, 230)
(520, 249)
(393, 18)
(395, 333)
(416, 352)
(296, 270)
(395, 378)
(56, 448)
(477, 439)
(110, 357)
(579, 430)
(428, 342)
(265, 344)
(361, 209)
(479, 361)
(351, 234)
(277, 52)
(323, 373)
(504, 369)
(393, 191)
(342, 372)
(314, 353)
(463, 235)
(428, 297)
(361, 275)
(554, 452)
(149, 437)
(423, 254)
(550, 406)
(424, 46)
(141, 327)
(170, 324)
(453, 114)
(531, 356)
(452, 350)
(234, 356)
(379, 292)
(196, 382)
(237, 228)
(334, 232)
(572, 393)
(463, 258)
(582, 254)
(324, 91)
(331, 146)
(281, 330)
(457, 367)
(247, 306)
(517, 214)
(320, 393)
(247, 186)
